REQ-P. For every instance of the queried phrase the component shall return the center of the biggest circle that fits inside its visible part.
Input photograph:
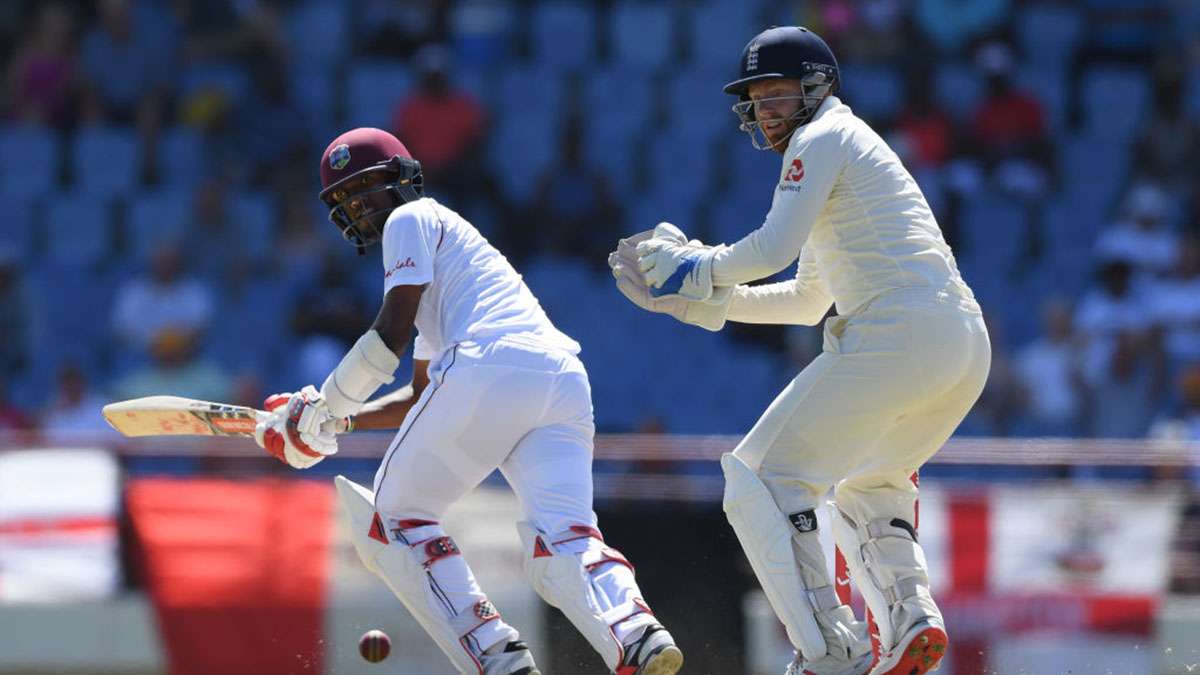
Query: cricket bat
(178, 416)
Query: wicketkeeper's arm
(803, 300)
(388, 411)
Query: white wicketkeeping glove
(300, 431)
(709, 315)
(673, 266)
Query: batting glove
(671, 265)
(300, 431)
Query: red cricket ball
(374, 645)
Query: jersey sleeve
(811, 167)
(803, 300)
(409, 243)
(422, 351)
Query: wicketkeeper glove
(709, 314)
(671, 265)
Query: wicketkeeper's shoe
(917, 652)
(654, 653)
(514, 659)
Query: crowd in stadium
(162, 233)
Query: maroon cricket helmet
(365, 174)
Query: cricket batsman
(903, 361)
(495, 385)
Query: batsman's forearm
(386, 412)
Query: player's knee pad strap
(766, 537)
(566, 581)
(405, 558)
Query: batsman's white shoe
(654, 653)
(515, 659)
(917, 652)
(831, 665)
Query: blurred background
(161, 235)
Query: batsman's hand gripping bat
(178, 416)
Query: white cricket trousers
(526, 409)
(507, 404)
(889, 388)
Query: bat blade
(179, 416)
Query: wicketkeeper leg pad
(425, 570)
(888, 566)
(567, 569)
(790, 564)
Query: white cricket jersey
(472, 293)
(851, 212)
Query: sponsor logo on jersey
(339, 157)
(795, 172)
(400, 265)
(804, 521)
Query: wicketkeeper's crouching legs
(789, 562)
(426, 571)
(875, 531)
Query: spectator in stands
(1009, 127)
(210, 228)
(1141, 236)
(126, 70)
(574, 204)
(74, 414)
(1123, 394)
(176, 368)
(300, 246)
(1105, 311)
(328, 317)
(12, 418)
(15, 317)
(1175, 304)
(1047, 371)
(396, 29)
(953, 24)
(1169, 141)
(1185, 424)
(165, 297)
(268, 128)
(42, 75)
(926, 130)
(444, 126)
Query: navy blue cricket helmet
(785, 52)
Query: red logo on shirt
(795, 172)
(400, 265)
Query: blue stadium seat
(259, 309)
(16, 229)
(754, 175)
(531, 90)
(992, 231)
(107, 161)
(1094, 169)
(681, 169)
(642, 34)
(318, 33)
(563, 34)
(697, 105)
(31, 161)
(481, 31)
(78, 229)
(181, 156)
(373, 91)
(312, 91)
(1050, 88)
(1048, 34)
(733, 215)
(74, 314)
(608, 145)
(157, 217)
(958, 89)
(874, 93)
(1114, 101)
(254, 213)
(718, 31)
(617, 89)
